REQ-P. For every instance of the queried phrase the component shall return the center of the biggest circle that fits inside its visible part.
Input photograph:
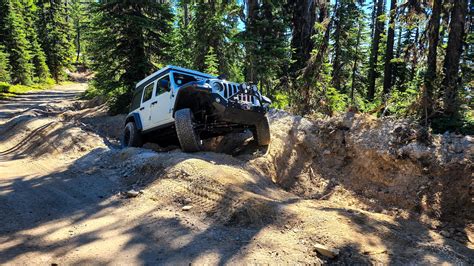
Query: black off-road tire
(187, 136)
(131, 137)
(262, 132)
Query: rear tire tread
(134, 138)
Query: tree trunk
(78, 42)
(252, 8)
(336, 72)
(375, 50)
(302, 26)
(453, 57)
(186, 15)
(313, 70)
(399, 40)
(414, 59)
(354, 66)
(373, 19)
(430, 75)
(387, 80)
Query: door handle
(142, 108)
(155, 102)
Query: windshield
(181, 79)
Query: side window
(137, 96)
(163, 85)
(148, 92)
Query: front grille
(232, 88)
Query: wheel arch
(135, 118)
(190, 97)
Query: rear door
(145, 107)
(160, 106)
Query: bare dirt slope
(64, 183)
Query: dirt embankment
(353, 183)
(393, 164)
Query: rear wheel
(262, 132)
(131, 136)
(187, 135)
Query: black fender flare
(134, 117)
(191, 87)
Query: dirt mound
(393, 163)
(219, 187)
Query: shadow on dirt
(36, 206)
(405, 240)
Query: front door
(160, 106)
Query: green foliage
(129, 40)
(81, 19)
(54, 32)
(461, 124)
(281, 101)
(211, 62)
(213, 25)
(124, 41)
(4, 87)
(267, 44)
(7, 90)
(336, 101)
(16, 42)
(38, 56)
(4, 65)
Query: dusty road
(63, 200)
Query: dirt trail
(63, 185)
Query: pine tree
(388, 69)
(345, 35)
(16, 42)
(314, 70)
(303, 17)
(214, 24)
(54, 32)
(453, 58)
(4, 65)
(267, 46)
(378, 29)
(430, 76)
(129, 40)
(80, 17)
(182, 36)
(211, 62)
(38, 57)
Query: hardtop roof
(175, 68)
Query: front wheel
(262, 132)
(131, 136)
(187, 135)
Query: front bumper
(237, 112)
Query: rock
(470, 238)
(187, 208)
(326, 251)
(327, 152)
(132, 193)
(444, 233)
(187, 201)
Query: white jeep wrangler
(175, 103)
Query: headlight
(217, 86)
